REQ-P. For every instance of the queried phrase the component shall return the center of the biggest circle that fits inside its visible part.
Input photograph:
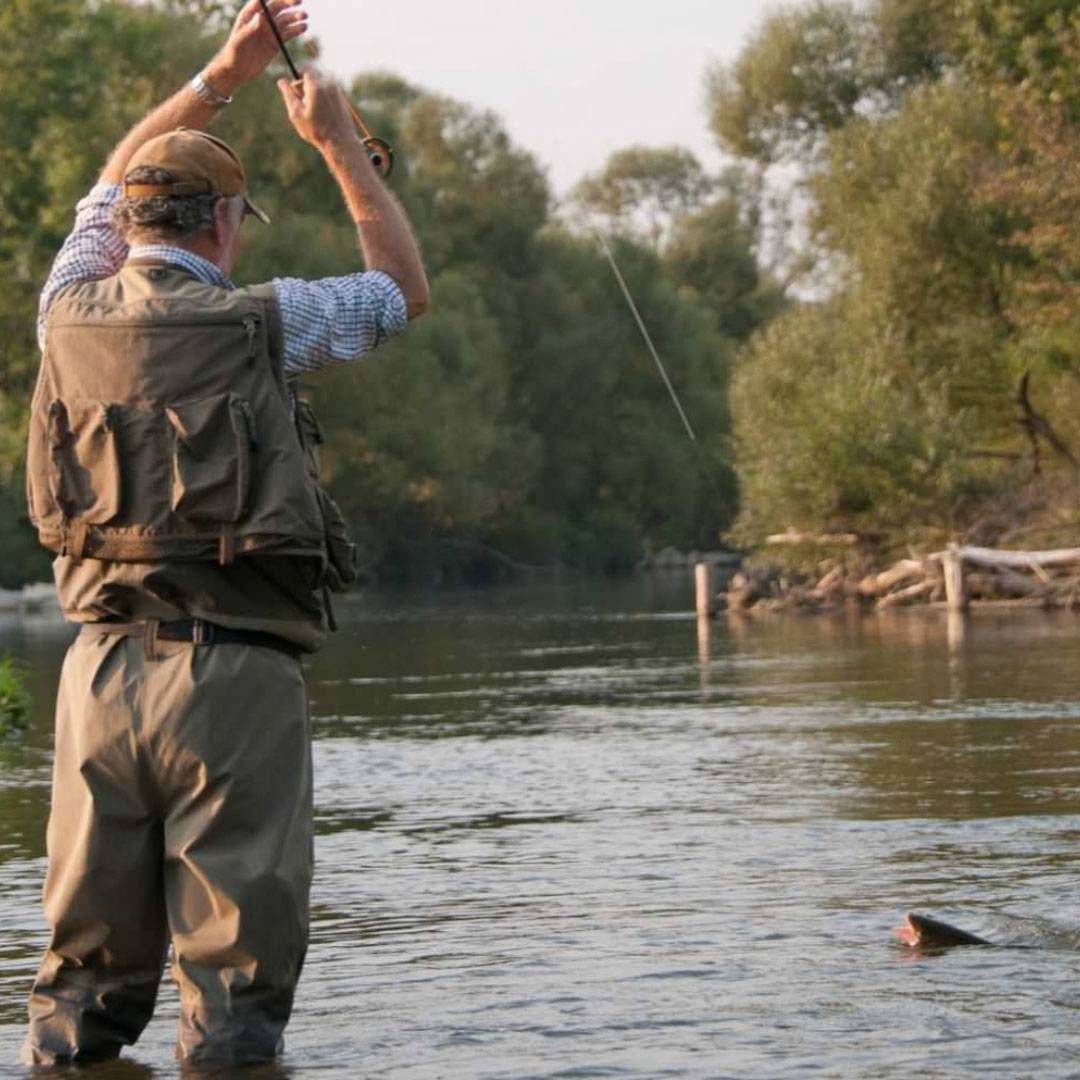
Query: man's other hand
(317, 109)
(252, 45)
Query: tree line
(520, 422)
(929, 389)
(870, 315)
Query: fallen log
(906, 596)
(879, 584)
(823, 539)
(1023, 560)
(1005, 584)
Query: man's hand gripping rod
(379, 151)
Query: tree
(712, 254)
(1034, 42)
(803, 74)
(520, 420)
(641, 190)
(618, 474)
(424, 455)
(811, 69)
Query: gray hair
(166, 216)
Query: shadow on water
(130, 1069)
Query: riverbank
(957, 578)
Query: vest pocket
(212, 458)
(341, 569)
(84, 466)
(311, 436)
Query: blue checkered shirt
(329, 321)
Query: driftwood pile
(956, 578)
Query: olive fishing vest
(162, 429)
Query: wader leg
(103, 892)
(238, 848)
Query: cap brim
(251, 208)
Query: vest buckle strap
(74, 533)
(150, 635)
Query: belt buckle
(202, 632)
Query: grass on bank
(14, 698)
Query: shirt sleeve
(93, 249)
(338, 319)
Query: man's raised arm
(246, 55)
(317, 110)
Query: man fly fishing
(173, 473)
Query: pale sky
(571, 81)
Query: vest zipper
(248, 414)
(251, 328)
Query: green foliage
(812, 68)
(23, 559)
(641, 189)
(831, 437)
(14, 698)
(803, 73)
(613, 446)
(711, 254)
(422, 444)
(1029, 42)
(937, 386)
(476, 197)
(919, 39)
(521, 420)
(66, 97)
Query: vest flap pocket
(212, 460)
(311, 436)
(84, 465)
(341, 554)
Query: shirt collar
(203, 269)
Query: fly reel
(380, 153)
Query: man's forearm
(250, 47)
(386, 240)
(184, 109)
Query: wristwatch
(208, 94)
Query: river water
(558, 836)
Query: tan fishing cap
(201, 163)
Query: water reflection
(547, 819)
(122, 1069)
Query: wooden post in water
(703, 590)
(703, 597)
(955, 630)
(953, 565)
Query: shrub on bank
(14, 698)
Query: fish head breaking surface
(922, 932)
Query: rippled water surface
(558, 836)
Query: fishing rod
(705, 464)
(379, 151)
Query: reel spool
(381, 155)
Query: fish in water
(922, 932)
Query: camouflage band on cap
(176, 188)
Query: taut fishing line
(705, 465)
(645, 334)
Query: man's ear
(220, 228)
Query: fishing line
(645, 334)
(706, 466)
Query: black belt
(197, 631)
